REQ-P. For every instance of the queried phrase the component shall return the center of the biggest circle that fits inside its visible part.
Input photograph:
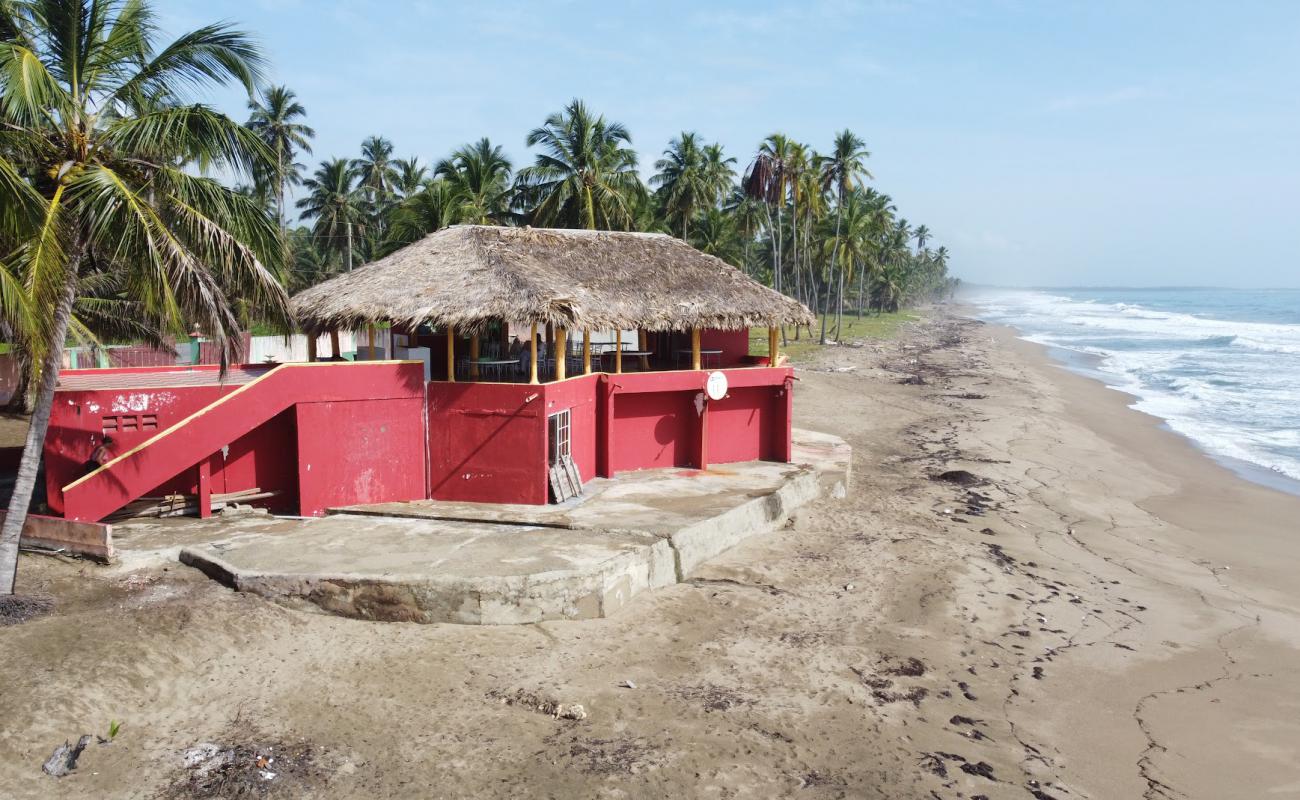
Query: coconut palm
(275, 119)
(336, 202)
(680, 178)
(585, 175)
(376, 169)
(922, 236)
(437, 205)
(719, 173)
(98, 124)
(410, 176)
(715, 233)
(841, 171)
(480, 173)
(766, 180)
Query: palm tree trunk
(862, 279)
(839, 303)
(30, 464)
(839, 213)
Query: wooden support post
(532, 351)
(642, 345)
(618, 352)
(451, 354)
(473, 356)
(561, 353)
(370, 341)
(311, 346)
(695, 348)
(773, 347)
(334, 346)
(205, 489)
(586, 351)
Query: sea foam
(1221, 367)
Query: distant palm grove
(803, 221)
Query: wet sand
(1030, 591)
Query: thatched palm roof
(469, 275)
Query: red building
(527, 362)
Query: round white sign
(716, 386)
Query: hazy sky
(1045, 143)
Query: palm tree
(376, 168)
(410, 176)
(719, 173)
(437, 205)
(335, 201)
(716, 233)
(98, 126)
(766, 180)
(922, 236)
(585, 176)
(690, 178)
(881, 210)
(747, 214)
(841, 171)
(680, 178)
(480, 173)
(274, 119)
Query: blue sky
(1045, 143)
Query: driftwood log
(64, 758)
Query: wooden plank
(574, 477)
(90, 539)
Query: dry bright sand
(1094, 610)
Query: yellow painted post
(532, 351)
(370, 337)
(451, 354)
(473, 356)
(773, 347)
(695, 348)
(561, 353)
(586, 351)
(618, 352)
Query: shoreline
(1085, 365)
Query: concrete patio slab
(429, 561)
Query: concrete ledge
(486, 565)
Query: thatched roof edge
(467, 276)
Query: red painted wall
(739, 425)
(253, 437)
(77, 428)
(653, 420)
(262, 458)
(361, 451)
(578, 395)
(733, 344)
(654, 429)
(487, 442)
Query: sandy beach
(1029, 591)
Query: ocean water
(1220, 366)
